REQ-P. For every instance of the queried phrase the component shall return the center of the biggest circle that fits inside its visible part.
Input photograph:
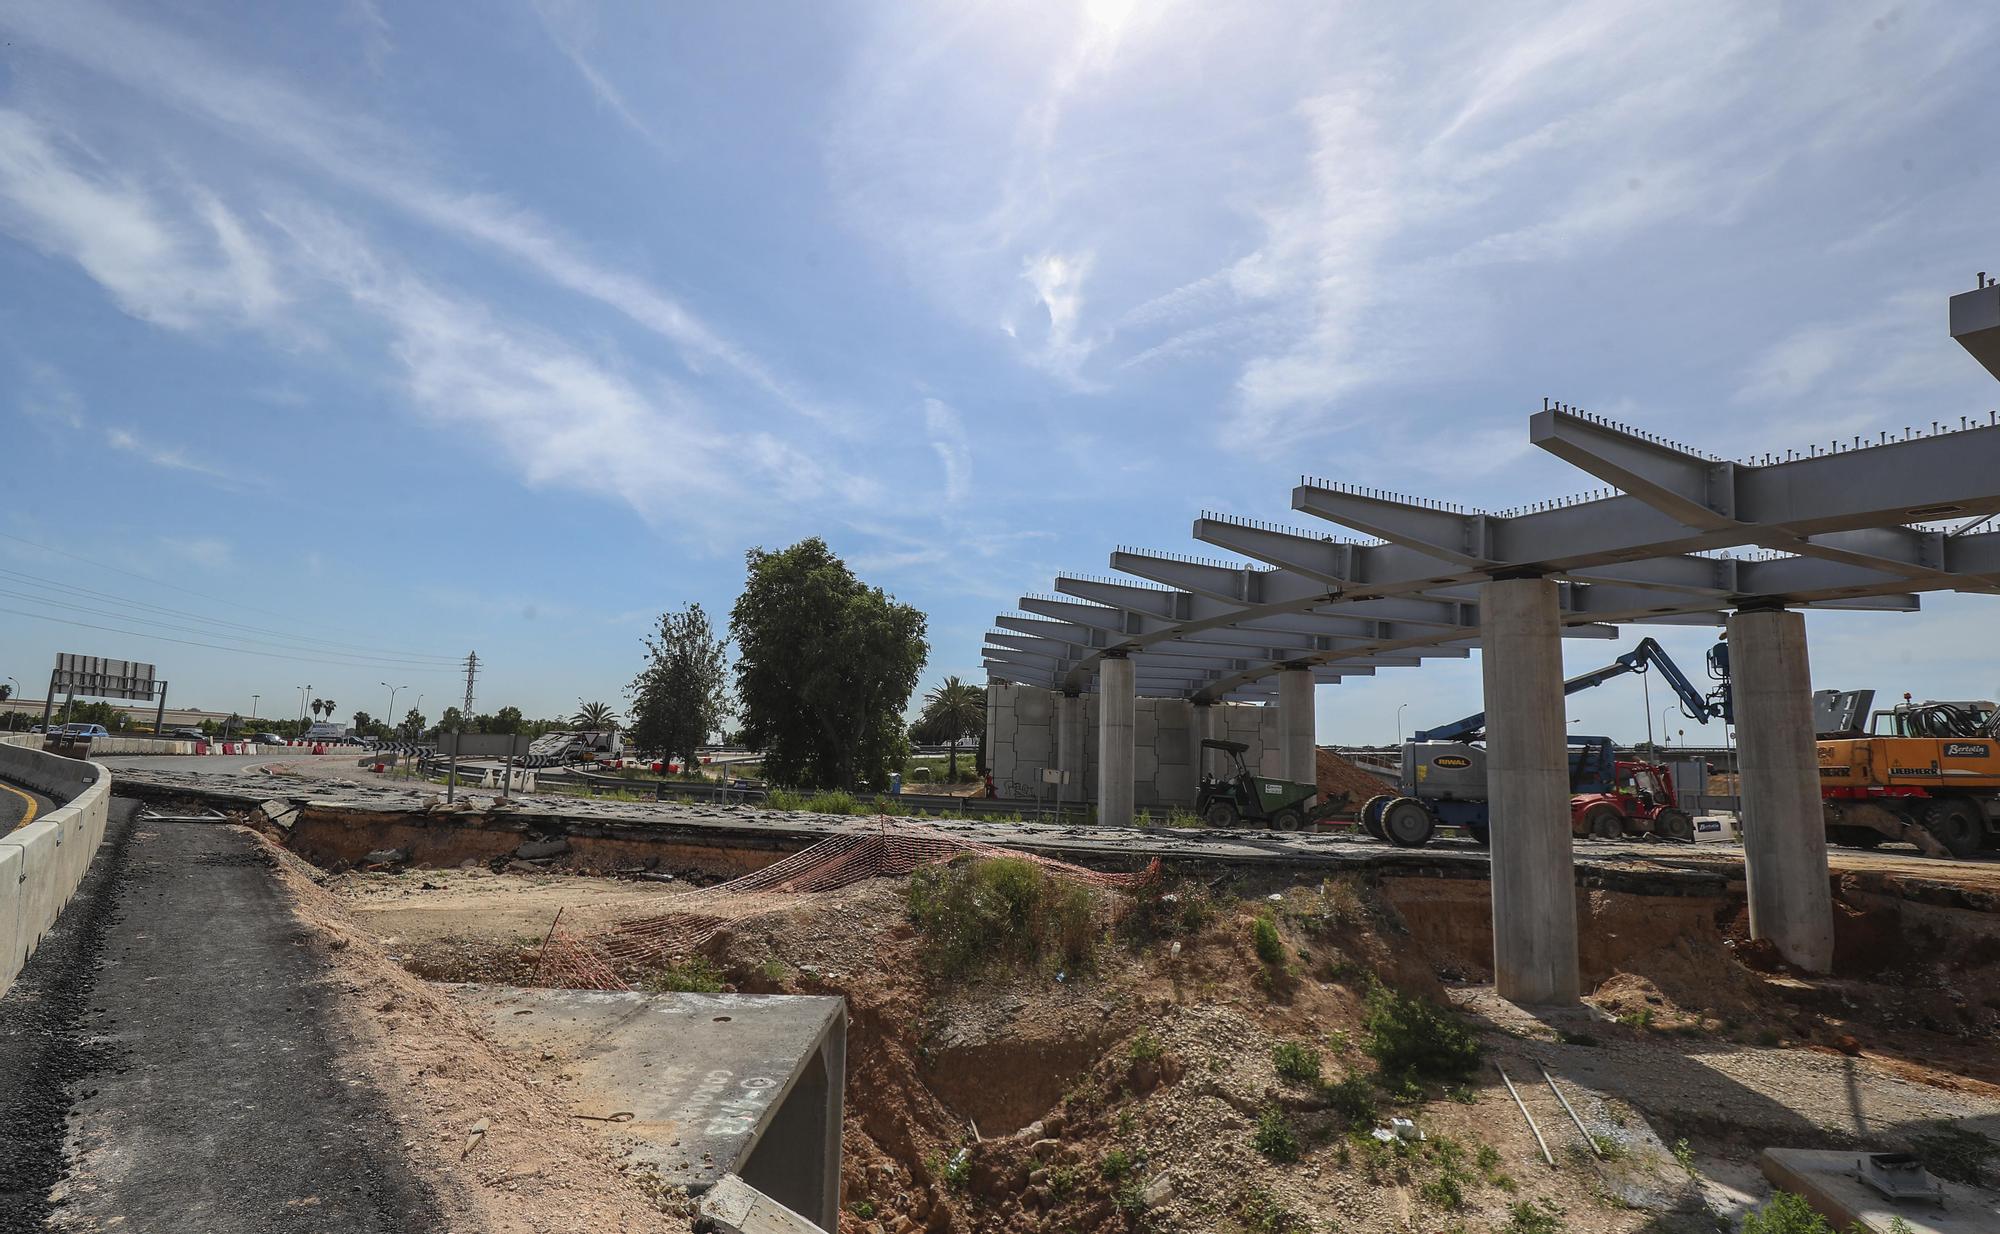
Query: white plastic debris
(1405, 1129)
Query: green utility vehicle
(1282, 805)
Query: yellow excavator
(1925, 773)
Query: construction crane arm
(1695, 705)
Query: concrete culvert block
(553, 846)
(387, 857)
(733, 1206)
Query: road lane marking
(34, 807)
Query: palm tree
(318, 705)
(955, 711)
(593, 715)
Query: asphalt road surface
(21, 806)
(168, 1060)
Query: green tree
(952, 713)
(593, 715)
(825, 667)
(505, 720)
(679, 697)
(452, 721)
(363, 722)
(412, 726)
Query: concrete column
(1297, 726)
(1114, 741)
(1527, 784)
(1069, 746)
(1784, 828)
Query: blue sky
(392, 332)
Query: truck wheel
(1957, 826)
(1481, 833)
(1673, 825)
(1604, 822)
(1406, 824)
(1222, 814)
(1371, 812)
(1287, 820)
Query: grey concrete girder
(1578, 542)
(1061, 631)
(1845, 505)
(1093, 616)
(1948, 474)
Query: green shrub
(1145, 1047)
(1275, 1137)
(1416, 1041)
(1260, 1213)
(1353, 1098)
(1957, 1153)
(1446, 1191)
(1296, 1061)
(974, 912)
(1264, 937)
(694, 975)
(1116, 1164)
(956, 1172)
(1531, 1217)
(1786, 1214)
(1157, 910)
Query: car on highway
(82, 732)
(268, 739)
(188, 734)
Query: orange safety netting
(589, 955)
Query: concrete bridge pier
(1527, 769)
(1296, 721)
(1784, 827)
(1116, 761)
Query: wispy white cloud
(368, 156)
(178, 272)
(571, 26)
(1311, 200)
(560, 417)
(954, 451)
(171, 457)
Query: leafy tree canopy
(682, 693)
(825, 667)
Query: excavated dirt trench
(996, 1070)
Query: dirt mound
(1341, 779)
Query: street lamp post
(1666, 725)
(1399, 723)
(391, 717)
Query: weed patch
(1786, 1214)
(1275, 1137)
(975, 912)
(1532, 1217)
(1957, 1153)
(695, 975)
(1296, 1061)
(1264, 938)
(1260, 1213)
(1416, 1041)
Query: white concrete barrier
(140, 745)
(42, 863)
